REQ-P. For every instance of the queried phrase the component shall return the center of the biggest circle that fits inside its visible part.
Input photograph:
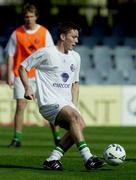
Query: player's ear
(62, 36)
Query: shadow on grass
(20, 167)
(41, 169)
(131, 159)
(27, 146)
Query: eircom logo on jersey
(64, 77)
(60, 85)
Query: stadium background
(108, 49)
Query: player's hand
(30, 97)
(10, 82)
(29, 94)
(10, 79)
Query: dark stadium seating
(111, 60)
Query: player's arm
(10, 70)
(10, 52)
(24, 78)
(75, 93)
(75, 85)
(33, 61)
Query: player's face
(30, 20)
(71, 39)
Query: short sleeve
(35, 59)
(11, 45)
(77, 71)
(49, 40)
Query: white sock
(55, 155)
(85, 153)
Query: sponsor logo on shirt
(72, 67)
(65, 77)
(60, 85)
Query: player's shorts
(19, 90)
(50, 112)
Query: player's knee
(21, 106)
(83, 125)
(76, 119)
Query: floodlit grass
(25, 163)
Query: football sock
(56, 135)
(84, 150)
(56, 154)
(18, 136)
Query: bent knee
(83, 125)
(76, 119)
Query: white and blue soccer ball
(114, 154)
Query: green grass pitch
(25, 163)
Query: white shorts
(19, 90)
(50, 112)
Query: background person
(57, 77)
(24, 41)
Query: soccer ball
(114, 154)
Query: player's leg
(18, 122)
(52, 162)
(70, 119)
(19, 113)
(54, 129)
(56, 133)
(3, 72)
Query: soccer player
(57, 77)
(24, 41)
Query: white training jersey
(12, 43)
(55, 73)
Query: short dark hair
(65, 27)
(30, 8)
